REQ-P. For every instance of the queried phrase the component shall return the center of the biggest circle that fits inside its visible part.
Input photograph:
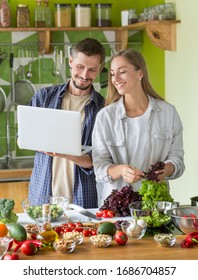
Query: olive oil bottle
(46, 233)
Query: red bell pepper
(190, 240)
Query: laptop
(50, 130)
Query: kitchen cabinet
(14, 184)
(161, 33)
(15, 190)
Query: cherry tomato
(78, 229)
(71, 225)
(99, 213)
(94, 231)
(110, 214)
(58, 229)
(87, 232)
(78, 224)
(121, 238)
(67, 229)
(11, 256)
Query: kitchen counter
(143, 249)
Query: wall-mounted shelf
(161, 33)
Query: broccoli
(7, 214)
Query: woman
(135, 129)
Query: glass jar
(5, 14)
(63, 15)
(47, 14)
(23, 15)
(103, 15)
(39, 16)
(82, 15)
(169, 11)
(132, 16)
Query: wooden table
(143, 249)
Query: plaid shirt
(85, 193)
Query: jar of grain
(5, 14)
(63, 15)
(103, 15)
(23, 15)
(82, 15)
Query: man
(65, 175)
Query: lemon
(17, 232)
(107, 228)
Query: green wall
(153, 55)
(43, 65)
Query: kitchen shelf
(161, 33)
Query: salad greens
(155, 191)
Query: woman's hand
(129, 173)
(166, 172)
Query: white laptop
(50, 130)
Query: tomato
(78, 229)
(78, 224)
(99, 213)
(67, 229)
(110, 214)
(94, 231)
(121, 238)
(30, 247)
(11, 256)
(87, 232)
(71, 225)
(58, 229)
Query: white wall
(181, 88)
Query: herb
(118, 201)
(151, 175)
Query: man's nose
(84, 73)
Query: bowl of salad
(58, 205)
(154, 213)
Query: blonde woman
(135, 129)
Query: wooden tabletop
(143, 249)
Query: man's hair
(89, 47)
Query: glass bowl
(135, 229)
(101, 240)
(58, 205)
(165, 239)
(78, 237)
(154, 213)
(185, 218)
(64, 246)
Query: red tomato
(67, 229)
(110, 214)
(58, 229)
(29, 247)
(71, 225)
(99, 213)
(11, 256)
(121, 238)
(94, 231)
(87, 232)
(78, 229)
(78, 224)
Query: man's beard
(81, 87)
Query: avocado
(107, 228)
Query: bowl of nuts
(165, 239)
(76, 236)
(64, 246)
(101, 240)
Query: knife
(84, 211)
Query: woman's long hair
(135, 58)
